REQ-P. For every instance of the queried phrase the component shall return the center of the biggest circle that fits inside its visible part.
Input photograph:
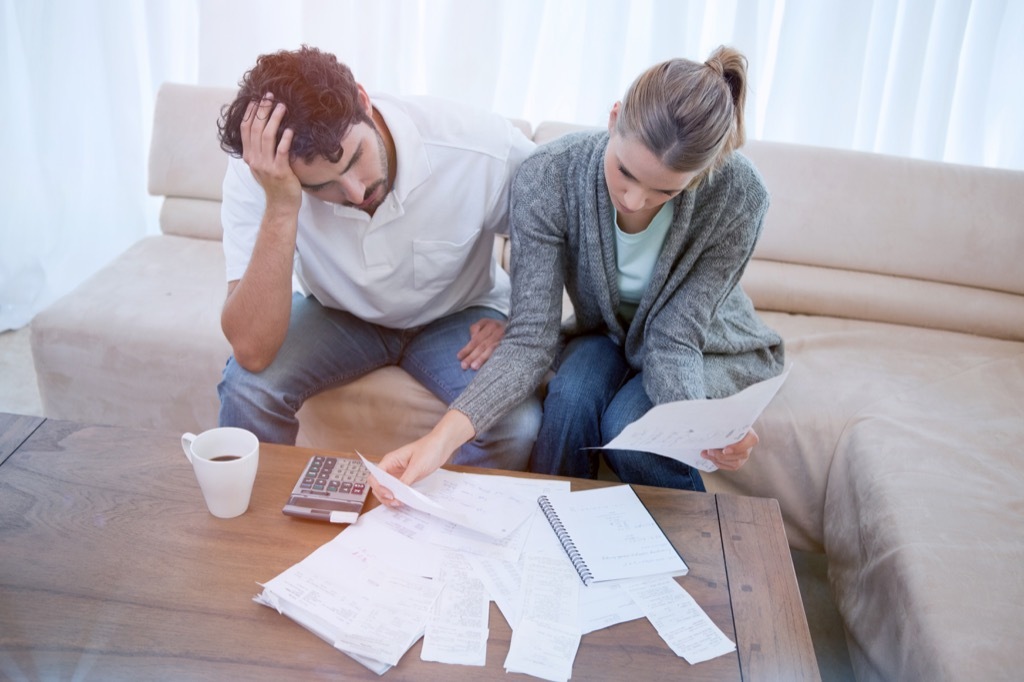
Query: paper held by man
(683, 429)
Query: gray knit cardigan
(695, 333)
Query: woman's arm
(678, 328)
(531, 336)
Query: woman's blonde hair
(689, 115)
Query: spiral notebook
(609, 534)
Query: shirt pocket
(436, 264)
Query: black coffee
(225, 458)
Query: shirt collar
(410, 152)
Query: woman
(649, 227)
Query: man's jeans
(592, 397)
(327, 347)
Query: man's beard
(383, 182)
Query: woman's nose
(633, 200)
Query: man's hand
(267, 159)
(258, 306)
(732, 457)
(484, 336)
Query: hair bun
(716, 65)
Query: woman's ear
(613, 117)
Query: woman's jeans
(325, 347)
(592, 397)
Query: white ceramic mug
(225, 461)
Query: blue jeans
(592, 397)
(325, 347)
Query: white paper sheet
(393, 614)
(427, 528)
(547, 634)
(457, 630)
(543, 649)
(605, 604)
(679, 620)
(346, 594)
(503, 580)
(459, 498)
(682, 430)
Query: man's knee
(253, 392)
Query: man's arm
(258, 306)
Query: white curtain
(933, 79)
(78, 81)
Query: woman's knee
(629, 404)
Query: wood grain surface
(112, 568)
(14, 430)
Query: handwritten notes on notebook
(683, 429)
(608, 534)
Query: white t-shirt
(428, 250)
(636, 254)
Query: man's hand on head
(267, 158)
(484, 336)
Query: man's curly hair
(320, 94)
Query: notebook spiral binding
(563, 537)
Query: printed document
(683, 429)
(680, 621)
(464, 499)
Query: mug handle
(186, 444)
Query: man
(385, 210)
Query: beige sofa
(894, 446)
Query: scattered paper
(461, 499)
(542, 649)
(457, 630)
(680, 621)
(683, 429)
(397, 575)
(605, 604)
(392, 614)
(547, 635)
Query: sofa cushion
(139, 343)
(924, 526)
(373, 414)
(842, 370)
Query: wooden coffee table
(111, 568)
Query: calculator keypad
(335, 475)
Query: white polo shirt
(428, 250)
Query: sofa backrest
(186, 163)
(848, 234)
(891, 239)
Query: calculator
(330, 489)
